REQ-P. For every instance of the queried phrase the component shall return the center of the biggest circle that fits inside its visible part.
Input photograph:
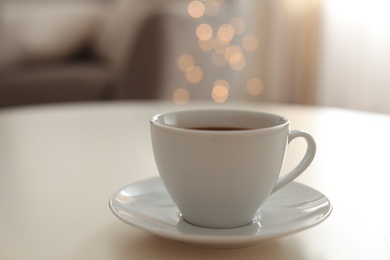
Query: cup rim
(283, 121)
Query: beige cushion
(46, 30)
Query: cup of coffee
(220, 166)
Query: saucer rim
(238, 240)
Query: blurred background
(328, 53)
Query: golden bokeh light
(185, 62)
(220, 91)
(238, 25)
(232, 51)
(250, 43)
(196, 9)
(225, 33)
(238, 65)
(213, 7)
(221, 82)
(194, 74)
(207, 45)
(254, 86)
(235, 58)
(181, 96)
(220, 47)
(216, 3)
(225, 49)
(204, 32)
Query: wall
(355, 55)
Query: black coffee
(219, 128)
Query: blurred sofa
(64, 50)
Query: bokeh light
(238, 25)
(196, 9)
(238, 64)
(207, 45)
(213, 7)
(204, 32)
(220, 91)
(250, 43)
(220, 47)
(185, 62)
(223, 47)
(181, 96)
(254, 86)
(194, 74)
(232, 52)
(225, 33)
(235, 58)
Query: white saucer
(147, 205)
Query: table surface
(60, 164)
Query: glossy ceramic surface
(217, 178)
(147, 205)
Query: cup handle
(305, 162)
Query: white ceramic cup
(220, 178)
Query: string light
(220, 91)
(250, 43)
(224, 50)
(181, 96)
(225, 33)
(196, 9)
(213, 7)
(185, 62)
(207, 45)
(254, 86)
(238, 25)
(194, 74)
(204, 32)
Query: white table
(60, 164)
